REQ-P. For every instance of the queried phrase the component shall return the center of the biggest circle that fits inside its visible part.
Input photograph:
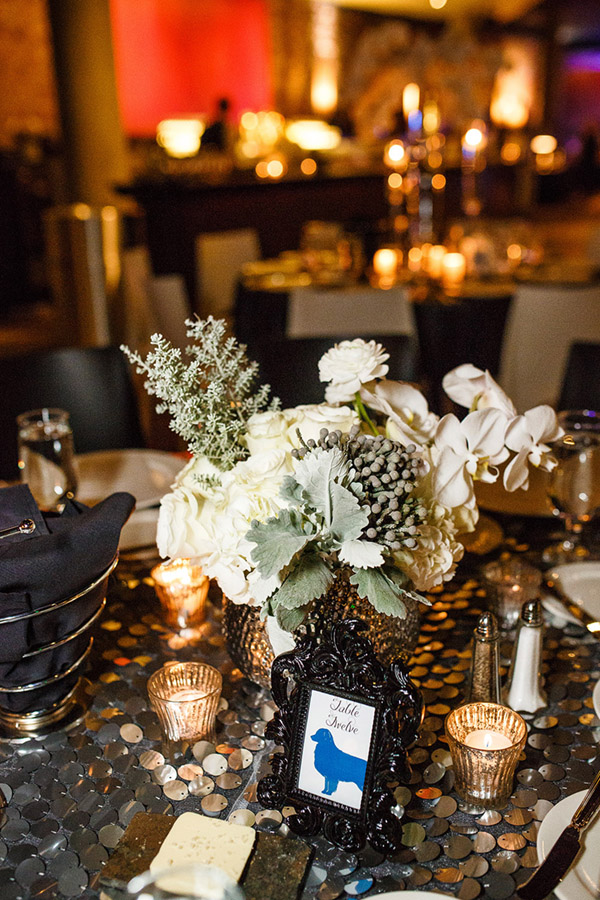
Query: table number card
(343, 726)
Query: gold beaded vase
(249, 647)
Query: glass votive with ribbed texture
(185, 697)
(485, 740)
(181, 588)
(509, 583)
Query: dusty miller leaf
(290, 619)
(277, 541)
(361, 554)
(291, 491)
(380, 591)
(403, 582)
(320, 474)
(308, 581)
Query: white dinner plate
(410, 895)
(147, 474)
(139, 530)
(582, 880)
(596, 699)
(581, 582)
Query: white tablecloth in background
(353, 312)
(543, 322)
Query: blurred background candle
(385, 266)
(181, 587)
(454, 267)
(435, 261)
(185, 697)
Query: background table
(72, 795)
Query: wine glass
(574, 484)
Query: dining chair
(92, 383)
(220, 257)
(580, 387)
(291, 366)
(544, 320)
(471, 329)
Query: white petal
(516, 474)
(543, 424)
(485, 429)
(450, 434)
(452, 484)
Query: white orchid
(409, 419)
(468, 451)
(349, 365)
(529, 436)
(474, 389)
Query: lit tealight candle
(482, 739)
(181, 587)
(454, 267)
(185, 697)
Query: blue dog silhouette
(335, 765)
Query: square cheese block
(209, 842)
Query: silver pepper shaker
(524, 688)
(485, 663)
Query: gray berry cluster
(384, 474)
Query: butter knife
(564, 851)
(587, 621)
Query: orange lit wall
(180, 56)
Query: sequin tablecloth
(71, 795)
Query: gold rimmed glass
(485, 740)
(182, 588)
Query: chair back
(220, 257)
(581, 381)
(92, 383)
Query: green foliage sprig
(210, 395)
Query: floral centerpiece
(274, 503)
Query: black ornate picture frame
(343, 726)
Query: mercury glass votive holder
(185, 697)
(484, 769)
(181, 588)
(509, 583)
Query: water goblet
(46, 456)
(574, 484)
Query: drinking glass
(46, 456)
(185, 881)
(185, 697)
(574, 484)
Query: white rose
(266, 431)
(309, 420)
(182, 524)
(250, 491)
(350, 364)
